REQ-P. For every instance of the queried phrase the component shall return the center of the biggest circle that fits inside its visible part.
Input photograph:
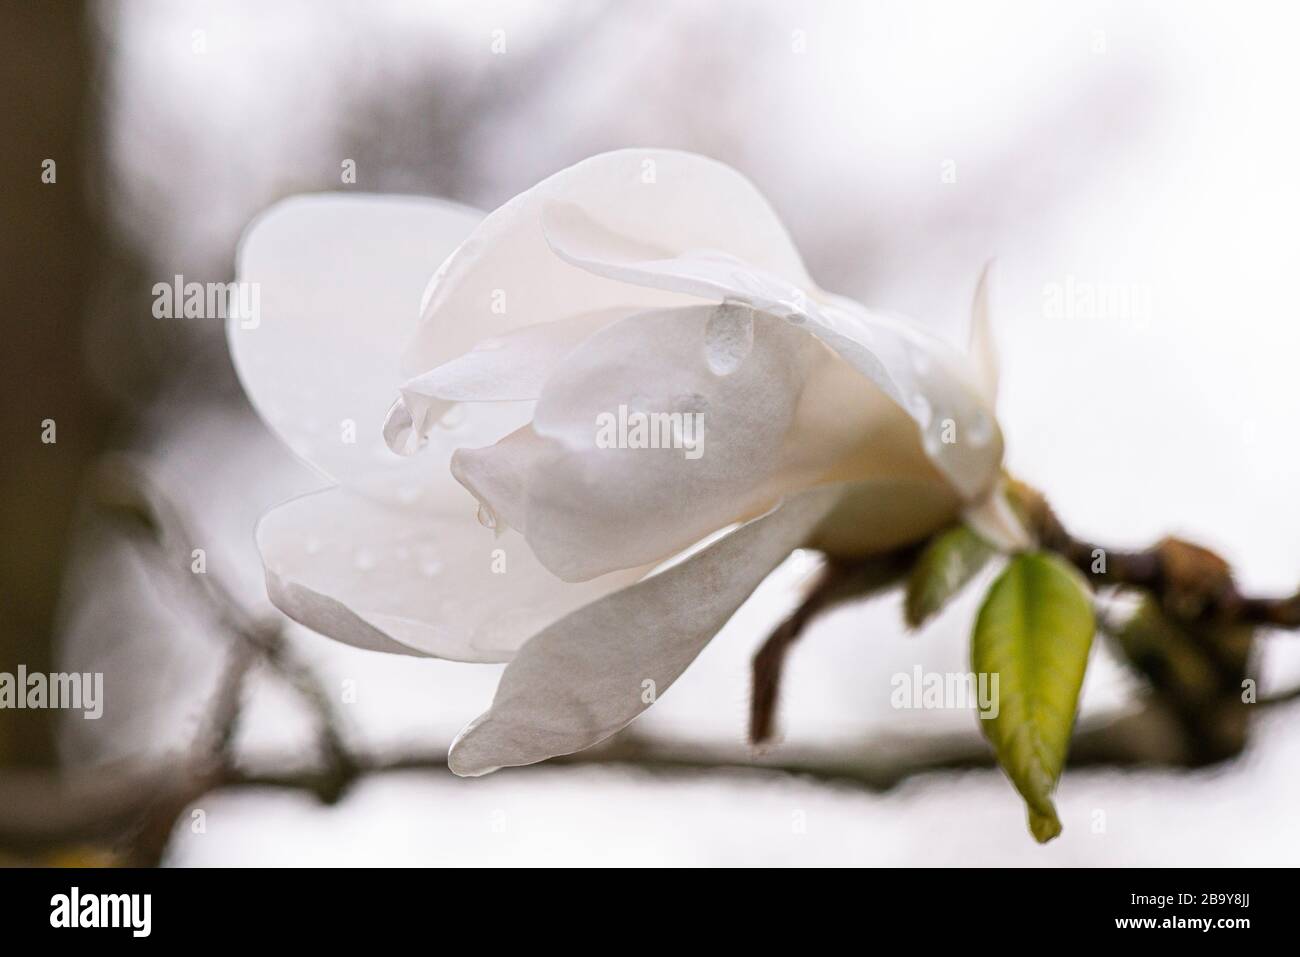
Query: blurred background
(1132, 166)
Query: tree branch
(832, 584)
(1189, 580)
(101, 805)
(138, 806)
(126, 485)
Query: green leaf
(1034, 631)
(950, 560)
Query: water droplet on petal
(728, 337)
(486, 517)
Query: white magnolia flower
(639, 281)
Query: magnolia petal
(981, 347)
(505, 277)
(514, 366)
(339, 281)
(920, 372)
(497, 475)
(789, 415)
(406, 581)
(511, 367)
(638, 448)
(876, 516)
(844, 419)
(410, 420)
(728, 337)
(591, 673)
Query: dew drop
(728, 337)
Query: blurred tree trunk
(49, 248)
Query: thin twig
(768, 662)
(832, 584)
(125, 482)
(1188, 579)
